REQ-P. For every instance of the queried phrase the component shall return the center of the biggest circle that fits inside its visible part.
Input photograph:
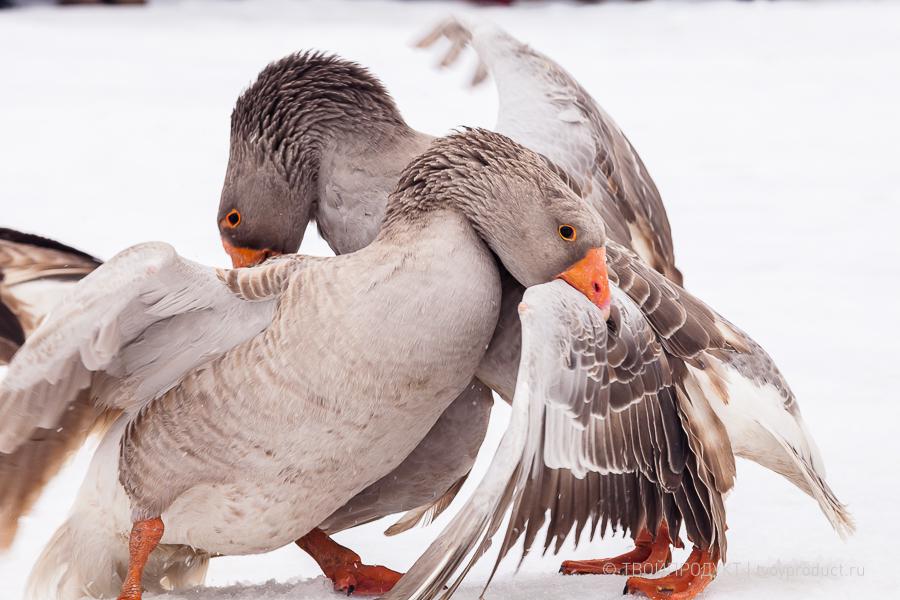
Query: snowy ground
(771, 129)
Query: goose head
(280, 128)
(535, 224)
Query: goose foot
(684, 584)
(344, 567)
(365, 580)
(145, 536)
(649, 556)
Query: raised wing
(545, 109)
(25, 257)
(131, 330)
(35, 272)
(597, 400)
(734, 393)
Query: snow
(771, 129)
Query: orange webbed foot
(345, 569)
(684, 584)
(364, 580)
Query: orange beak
(246, 257)
(589, 277)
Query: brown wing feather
(638, 460)
(685, 325)
(425, 515)
(653, 465)
(25, 473)
(24, 257)
(603, 164)
(11, 333)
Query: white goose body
(326, 414)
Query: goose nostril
(596, 287)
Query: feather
(425, 515)
(549, 456)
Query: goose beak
(589, 276)
(246, 257)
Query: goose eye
(567, 232)
(233, 218)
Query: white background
(771, 129)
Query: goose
(600, 402)
(543, 107)
(35, 273)
(238, 460)
(279, 178)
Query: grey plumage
(659, 450)
(292, 99)
(301, 111)
(567, 414)
(629, 514)
(544, 108)
(430, 477)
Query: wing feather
(136, 325)
(573, 454)
(544, 108)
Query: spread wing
(130, 331)
(34, 273)
(545, 109)
(726, 367)
(25, 257)
(596, 399)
